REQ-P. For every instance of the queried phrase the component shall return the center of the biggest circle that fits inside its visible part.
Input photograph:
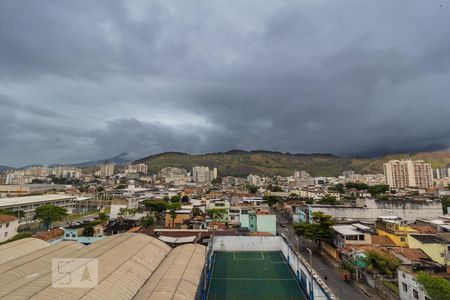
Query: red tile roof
(411, 254)
(382, 241)
(50, 235)
(7, 219)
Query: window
(7, 225)
(6, 234)
(402, 239)
(405, 287)
(361, 237)
(415, 294)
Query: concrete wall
(266, 223)
(247, 243)
(407, 210)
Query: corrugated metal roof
(178, 276)
(12, 250)
(32, 199)
(21, 277)
(127, 264)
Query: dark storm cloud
(89, 79)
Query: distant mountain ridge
(262, 162)
(4, 169)
(119, 159)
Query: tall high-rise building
(203, 174)
(442, 173)
(408, 173)
(107, 170)
(137, 168)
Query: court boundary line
(253, 279)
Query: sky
(83, 80)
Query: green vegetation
(318, 231)
(272, 200)
(268, 163)
(127, 213)
(390, 285)
(147, 221)
(327, 199)
(445, 204)
(378, 189)
(252, 188)
(175, 198)
(438, 288)
(18, 236)
(18, 214)
(217, 213)
(380, 261)
(49, 214)
(172, 207)
(338, 188)
(275, 188)
(357, 185)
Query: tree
(185, 199)
(88, 230)
(378, 189)
(318, 231)
(103, 217)
(271, 200)
(147, 221)
(252, 188)
(50, 213)
(438, 288)
(445, 205)
(357, 185)
(196, 212)
(327, 199)
(157, 207)
(172, 208)
(293, 196)
(277, 189)
(338, 188)
(18, 213)
(127, 213)
(217, 213)
(384, 262)
(175, 198)
(218, 180)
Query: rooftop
(427, 238)
(5, 202)
(7, 219)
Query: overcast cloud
(82, 80)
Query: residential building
(107, 170)
(258, 221)
(395, 229)
(401, 174)
(136, 168)
(181, 215)
(203, 174)
(29, 188)
(434, 246)
(66, 172)
(408, 286)
(351, 235)
(8, 227)
(254, 179)
(442, 173)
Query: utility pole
(310, 257)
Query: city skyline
(90, 80)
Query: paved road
(322, 266)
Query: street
(322, 266)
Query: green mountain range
(241, 163)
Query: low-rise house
(394, 228)
(182, 215)
(8, 227)
(261, 221)
(351, 235)
(434, 246)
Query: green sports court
(252, 275)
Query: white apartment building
(254, 179)
(136, 168)
(408, 173)
(203, 174)
(107, 170)
(66, 172)
(409, 287)
(8, 227)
